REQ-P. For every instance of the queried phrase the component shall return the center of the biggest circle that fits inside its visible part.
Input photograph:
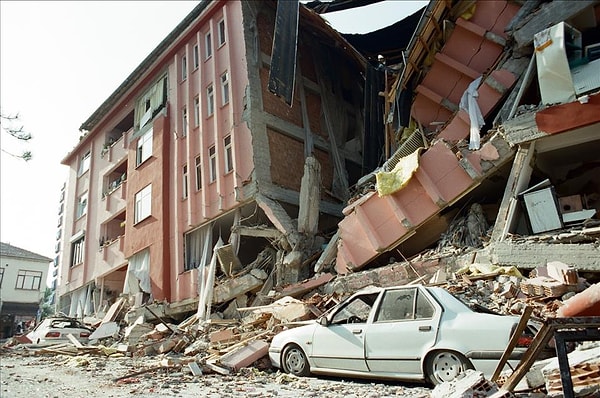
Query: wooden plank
(549, 14)
(73, 340)
(513, 342)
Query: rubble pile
(505, 291)
(239, 337)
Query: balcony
(114, 151)
(115, 198)
(112, 254)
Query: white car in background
(404, 333)
(56, 329)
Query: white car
(55, 329)
(404, 333)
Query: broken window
(148, 105)
(138, 273)
(198, 248)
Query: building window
(143, 204)
(225, 88)
(198, 248)
(29, 280)
(198, 173)
(184, 121)
(221, 32)
(228, 154)
(210, 100)
(1, 276)
(196, 57)
(183, 67)
(144, 148)
(212, 156)
(184, 183)
(197, 111)
(208, 45)
(77, 251)
(84, 163)
(82, 205)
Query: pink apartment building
(193, 148)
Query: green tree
(11, 125)
(46, 303)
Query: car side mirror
(323, 321)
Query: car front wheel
(294, 361)
(443, 366)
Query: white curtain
(138, 273)
(234, 239)
(154, 95)
(81, 302)
(468, 103)
(206, 283)
(197, 247)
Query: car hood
(295, 334)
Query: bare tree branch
(7, 124)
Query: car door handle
(356, 331)
(426, 328)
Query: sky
(59, 61)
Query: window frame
(221, 32)
(210, 100)
(198, 163)
(142, 204)
(1, 276)
(24, 275)
(197, 111)
(225, 88)
(184, 68)
(208, 50)
(184, 186)
(212, 164)
(196, 56)
(228, 149)
(82, 204)
(77, 251)
(84, 163)
(184, 120)
(144, 147)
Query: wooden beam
(549, 14)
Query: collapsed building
(219, 146)
(235, 166)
